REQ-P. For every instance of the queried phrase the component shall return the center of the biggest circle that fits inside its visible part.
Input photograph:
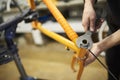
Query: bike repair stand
(9, 33)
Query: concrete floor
(50, 61)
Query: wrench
(85, 41)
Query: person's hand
(90, 58)
(89, 17)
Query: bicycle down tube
(80, 52)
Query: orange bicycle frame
(80, 52)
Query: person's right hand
(89, 17)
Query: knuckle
(92, 18)
(84, 24)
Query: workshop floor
(50, 61)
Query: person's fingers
(89, 60)
(85, 24)
(92, 24)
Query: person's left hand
(90, 58)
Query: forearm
(110, 41)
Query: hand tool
(85, 41)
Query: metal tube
(20, 66)
(60, 18)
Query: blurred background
(41, 56)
